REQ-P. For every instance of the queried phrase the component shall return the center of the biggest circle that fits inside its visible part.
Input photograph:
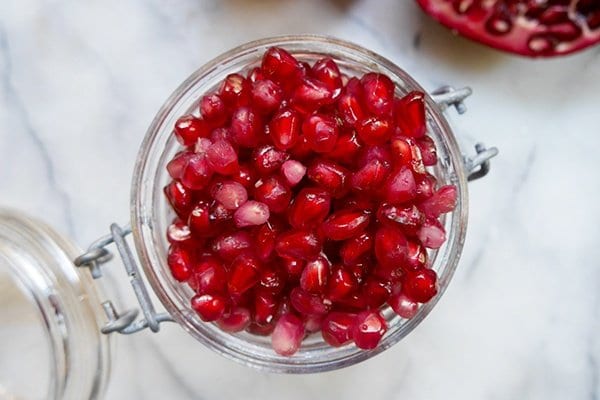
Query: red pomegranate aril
(432, 234)
(340, 284)
(400, 186)
(220, 217)
(309, 208)
(209, 307)
(213, 109)
(293, 171)
(307, 303)
(409, 217)
(420, 286)
(221, 134)
(265, 237)
(312, 323)
(327, 71)
(202, 145)
(210, 276)
(369, 328)
(310, 95)
(410, 115)
(267, 159)
(273, 192)
(403, 306)
(244, 274)
(350, 109)
(329, 176)
(315, 275)
(298, 244)
(354, 249)
(230, 245)
(426, 184)
(337, 328)
(179, 233)
(229, 193)
(251, 213)
(416, 256)
(390, 247)
(345, 224)
(180, 263)
(256, 74)
(199, 220)
(222, 157)
(265, 307)
(266, 96)
(245, 176)
(235, 91)
(375, 130)
(246, 127)
(293, 267)
(346, 149)
(280, 64)
(180, 197)
(189, 128)
(284, 129)
(236, 320)
(197, 172)
(441, 202)
(321, 132)
(428, 151)
(176, 165)
(376, 292)
(354, 302)
(287, 335)
(273, 280)
(378, 93)
(370, 176)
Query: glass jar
(65, 299)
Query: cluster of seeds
(304, 205)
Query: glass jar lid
(50, 317)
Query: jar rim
(143, 195)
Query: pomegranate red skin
(528, 31)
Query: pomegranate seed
(428, 151)
(267, 159)
(284, 129)
(176, 165)
(432, 234)
(298, 244)
(246, 127)
(280, 65)
(409, 218)
(222, 157)
(251, 213)
(374, 130)
(441, 202)
(312, 323)
(179, 233)
(416, 256)
(265, 240)
(293, 267)
(309, 208)
(230, 245)
(327, 71)
(213, 109)
(197, 172)
(420, 286)
(345, 224)
(337, 328)
(370, 176)
(321, 132)
(403, 306)
(256, 74)
(229, 193)
(400, 187)
(235, 91)
(266, 96)
(329, 176)
(199, 220)
(410, 115)
(378, 92)
(180, 263)
(346, 149)
(287, 335)
(245, 176)
(219, 217)
(354, 302)
(369, 328)
(202, 145)
(390, 247)
(354, 249)
(179, 197)
(265, 308)
(209, 307)
(273, 280)
(189, 128)
(210, 276)
(376, 292)
(341, 284)
(301, 151)
(307, 303)
(315, 274)
(236, 320)
(311, 94)
(293, 171)
(273, 192)
(425, 186)
(245, 273)
(221, 134)
(350, 109)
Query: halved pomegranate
(532, 28)
(304, 203)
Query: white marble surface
(81, 81)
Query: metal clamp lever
(126, 322)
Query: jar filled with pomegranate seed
(71, 309)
